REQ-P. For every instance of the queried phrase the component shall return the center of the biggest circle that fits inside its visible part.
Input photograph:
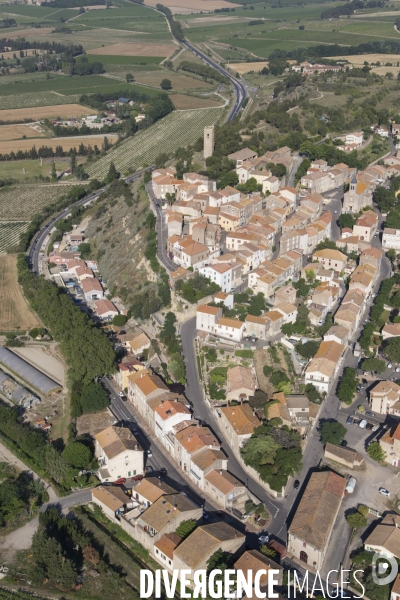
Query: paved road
(37, 242)
(239, 88)
(162, 231)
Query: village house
(168, 414)
(204, 461)
(390, 444)
(112, 500)
(240, 383)
(337, 333)
(384, 398)
(119, 454)
(226, 275)
(391, 239)
(312, 525)
(105, 309)
(237, 424)
(188, 253)
(390, 330)
(143, 387)
(163, 549)
(224, 489)
(385, 537)
(193, 553)
(150, 489)
(231, 329)
(139, 343)
(324, 366)
(207, 317)
(343, 455)
(331, 259)
(366, 225)
(191, 440)
(253, 560)
(92, 289)
(126, 367)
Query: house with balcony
(384, 398)
(237, 424)
(166, 415)
(225, 490)
(323, 368)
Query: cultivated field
(29, 52)
(37, 101)
(181, 6)
(358, 60)
(242, 68)
(182, 102)
(66, 142)
(14, 310)
(179, 81)
(9, 234)
(178, 129)
(30, 32)
(15, 132)
(135, 50)
(44, 112)
(20, 202)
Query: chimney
(175, 506)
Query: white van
(363, 424)
(351, 484)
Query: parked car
(121, 394)
(390, 366)
(149, 452)
(349, 420)
(296, 484)
(163, 471)
(375, 428)
(356, 421)
(368, 413)
(120, 481)
(363, 424)
(263, 538)
(397, 369)
(137, 478)
(149, 469)
(384, 492)
(369, 426)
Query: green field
(107, 60)
(21, 202)
(10, 232)
(178, 129)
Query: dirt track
(14, 310)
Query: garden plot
(14, 310)
(20, 202)
(178, 129)
(10, 232)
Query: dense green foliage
(196, 288)
(356, 520)
(307, 350)
(274, 452)
(375, 365)
(85, 347)
(19, 494)
(325, 50)
(202, 70)
(173, 346)
(77, 454)
(332, 432)
(186, 528)
(88, 398)
(375, 452)
(176, 27)
(347, 385)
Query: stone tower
(208, 141)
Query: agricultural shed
(27, 372)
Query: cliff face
(119, 233)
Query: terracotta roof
(152, 488)
(226, 322)
(91, 284)
(204, 541)
(241, 418)
(385, 388)
(255, 561)
(223, 481)
(103, 306)
(316, 513)
(344, 453)
(208, 310)
(330, 254)
(116, 440)
(392, 328)
(195, 438)
(273, 315)
(386, 535)
(207, 457)
(169, 409)
(166, 509)
(192, 248)
(240, 377)
(167, 544)
(111, 496)
(149, 384)
(139, 341)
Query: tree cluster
(332, 432)
(347, 385)
(173, 347)
(202, 70)
(196, 288)
(275, 453)
(19, 494)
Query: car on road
(163, 471)
(375, 428)
(296, 484)
(362, 424)
(349, 420)
(253, 339)
(390, 366)
(120, 481)
(137, 478)
(121, 394)
(263, 538)
(384, 492)
(397, 369)
(368, 413)
(149, 452)
(335, 212)
(149, 469)
(356, 421)
(369, 426)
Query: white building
(119, 454)
(391, 239)
(206, 317)
(229, 328)
(168, 414)
(226, 275)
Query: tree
(73, 162)
(112, 173)
(307, 350)
(391, 254)
(259, 451)
(392, 349)
(119, 320)
(91, 398)
(129, 77)
(53, 172)
(332, 432)
(347, 385)
(84, 249)
(356, 520)
(77, 454)
(373, 365)
(375, 452)
(312, 393)
(267, 551)
(186, 528)
(346, 220)
(219, 560)
(160, 160)
(257, 305)
(166, 84)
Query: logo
(384, 569)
